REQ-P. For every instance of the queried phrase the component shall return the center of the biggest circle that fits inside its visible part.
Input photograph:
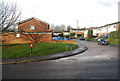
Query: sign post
(68, 45)
(31, 45)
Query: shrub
(114, 35)
(79, 35)
(90, 33)
(72, 34)
(67, 36)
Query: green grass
(112, 41)
(92, 39)
(39, 49)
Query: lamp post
(77, 26)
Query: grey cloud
(106, 4)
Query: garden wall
(64, 41)
(44, 38)
(24, 38)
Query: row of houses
(97, 31)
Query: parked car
(103, 42)
(71, 38)
(82, 38)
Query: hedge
(114, 35)
(72, 34)
(79, 35)
(67, 36)
(90, 33)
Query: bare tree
(63, 27)
(34, 37)
(57, 28)
(68, 28)
(60, 28)
(52, 26)
(9, 15)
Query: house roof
(30, 19)
(109, 24)
(93, 28)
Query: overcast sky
(67, 12)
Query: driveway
(98, 62)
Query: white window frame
(17, 35)
(32, 27)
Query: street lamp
(77, 26)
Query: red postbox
(31, 44)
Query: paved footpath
(98, 62)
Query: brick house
(30, 30)
(33, 25)
(77, 31)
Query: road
(98, 62)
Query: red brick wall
(117, 27)
(64, 41)
(39, 26)
(45, 38)
(11, 38)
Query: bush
(67, 36)
(79, 35)
(114, 35)
(90, 33)
(72, 34)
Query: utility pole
(77, 26)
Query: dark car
(70, 38)
(82, 38)
(103, 42)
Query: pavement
(81, 48)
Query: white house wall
(85, 33)
(111, 28)
(99, 30)
(66, 33)
(95, 31)
(104, 30)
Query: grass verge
(112, 41)
(92, 39)
(39, 49)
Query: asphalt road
(98, 62)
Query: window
(17, 35)
(32, 27)
(114, 26)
